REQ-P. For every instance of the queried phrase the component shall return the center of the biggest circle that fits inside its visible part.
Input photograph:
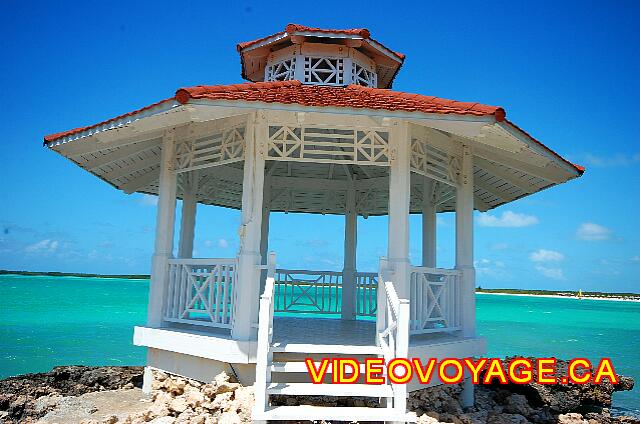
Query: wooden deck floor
(338, 332)
(323, 331)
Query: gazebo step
(301, 367)
(310, 389)
(326, 349)
(313, 413)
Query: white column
(188, 220)
(428, 224)
(165, 221)
(247, 289)
(266, 212)
(399, 197)
(264, 231)
(349, 269)
(464, 255)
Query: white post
(247, 290)
(188, 221)
(399, 197)
(464, 255)
(428, 224)
(264, 230)
(165, 220)
(349, 269)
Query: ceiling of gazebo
(125, 151)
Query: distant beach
(626, 297)
(564, 296)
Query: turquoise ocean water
(48, 321)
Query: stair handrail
(265, 337)
(392, 323)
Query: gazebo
(317, 129)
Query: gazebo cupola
(317, 56)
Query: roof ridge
(362, 32)
(185, 93)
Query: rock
(571, 418)
(221, 401)
(223, 383)
(229, 418)
(157, 409)
(199, 419)
(178, 400)
(185, 417)
(163, 420)
(175, 386)
(498, 418)
(46, 403)
(194, 397)
(20, 396)
(569, 397)
(178, 404)
(426, 419)
(517, 404)
(110, 419)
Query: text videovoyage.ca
(454, 370)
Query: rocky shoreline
(110, 395)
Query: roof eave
(541, 148)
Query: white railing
(393, 334)
(435, 300)
(305, 291)
(200, 291)
(265, 338)
(366, 294)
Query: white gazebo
(316, 130)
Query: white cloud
(43, 246)
(543, 255)
(553, 273)
(593, 232)
(508, 219)
(609, 161)
(489, 268)
(223, 243)
(636, 258)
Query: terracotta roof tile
(353, 96)
(52, 137)
(291, 28)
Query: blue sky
(567, 72)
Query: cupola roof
(351, 52)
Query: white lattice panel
(281, 71)
(328, 145)
(324, 70)
(223, 147)
(200, 291)
(435, 300)
(362, 76)
(428, 161)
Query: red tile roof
(352, 96)
(296, 29)
(291, 28)
(52, 137)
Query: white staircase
(281, 370)
(288, 367)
